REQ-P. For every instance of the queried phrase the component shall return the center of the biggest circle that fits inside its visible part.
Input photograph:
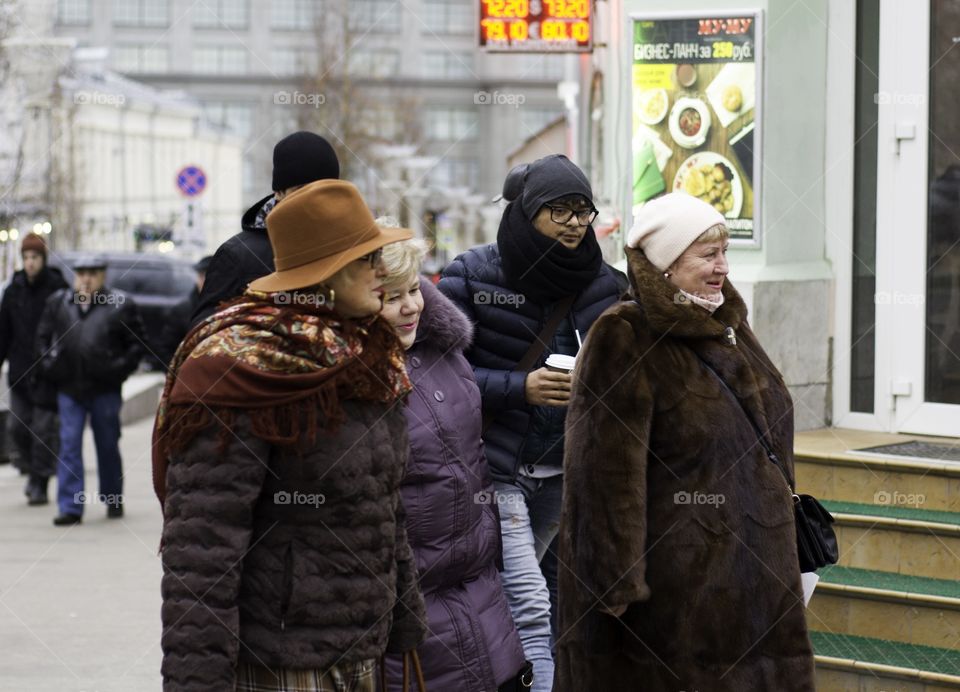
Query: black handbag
(816, 540)
(521, 682)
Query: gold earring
(325, 296)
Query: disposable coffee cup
(560, 363)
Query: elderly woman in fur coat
(677, 529)
(472, 644)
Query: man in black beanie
(298, 159)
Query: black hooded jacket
(20, 312)
(238, 261)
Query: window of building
(220, 60)
(455, 172)
(448, 16)
(141, 59)
(539, 66)
(217, 14)
(451, 124)
(73, 12)
(236, 118)
(141, 12)
(375, 16)
(292, 14)
(292, 61)
(373, 63)
(379, 122)
(532, 120)
(863, 350)
(447, 65)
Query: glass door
(918, 217)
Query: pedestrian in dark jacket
(678, 534)
(298, 159)
(32, 419)
(178, 320)
(279, 448)
(546, 255)
(472, 645)
(90, 339)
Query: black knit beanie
(545, 180)
(302, 158)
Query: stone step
(851, 477)
(848, 663)
(834, 464)
(898, 539)
(888, 606)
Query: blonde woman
(472, 644)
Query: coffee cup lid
(558, 360)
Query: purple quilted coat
(472, 644)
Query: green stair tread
(854, 576)
(893, 512)
(912, 656)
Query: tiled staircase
(888, 616)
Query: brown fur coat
(672, 508)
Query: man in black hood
(33, 406)
(180, 316)
(298, 159)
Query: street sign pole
(191, 182)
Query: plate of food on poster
(689, 122)
(652, 105)
(712, 178)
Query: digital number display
(536, 26)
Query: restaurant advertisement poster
(695, 98)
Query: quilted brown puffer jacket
(287, 561)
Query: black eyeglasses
(585, 217)
(372, 257)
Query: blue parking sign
(191, 180)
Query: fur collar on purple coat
(441, 322)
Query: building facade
(411, 71)
(91, 157)
(853, 284)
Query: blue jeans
(104, 412)
(529, 520)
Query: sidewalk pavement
(80, 605)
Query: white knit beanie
(668, 225)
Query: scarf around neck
(707, 304)
(541, 267)
(284, 364)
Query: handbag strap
(761, 437)
(408, 657)
(537, 348)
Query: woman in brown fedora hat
(278, 451)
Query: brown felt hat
(319, 229)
